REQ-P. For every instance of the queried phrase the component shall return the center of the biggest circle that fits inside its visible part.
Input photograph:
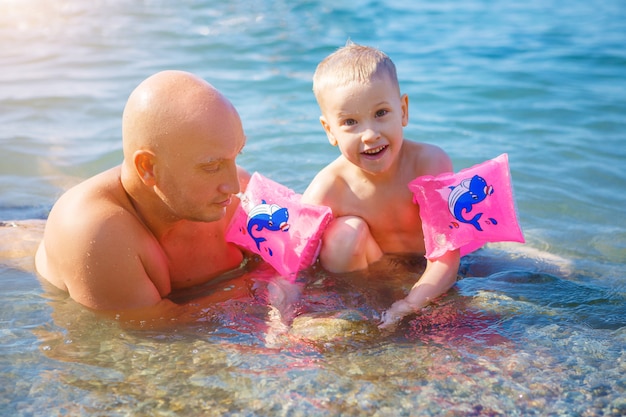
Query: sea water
(534, 329)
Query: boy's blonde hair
(352, 63)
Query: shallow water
(534, 329)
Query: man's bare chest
(195, 258)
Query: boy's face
(366, 122)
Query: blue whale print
(267, 216)
(463, 197)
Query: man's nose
(230, 184)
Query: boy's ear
(326, 126)
(404, 100)
(144, 162)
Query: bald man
(125, 238)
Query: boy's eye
(381, 113)
(349, 122)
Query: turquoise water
(534, 329)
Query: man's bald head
(164, 105)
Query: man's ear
(405, 109)
(144, 165)
(326, 126)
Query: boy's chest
(393, 219)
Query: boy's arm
(439, 276)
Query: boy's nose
(370, 135)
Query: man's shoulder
(100, 199)
(90, 225)
(103, 188)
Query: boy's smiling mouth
(375, 151)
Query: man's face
(197, 176)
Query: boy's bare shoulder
(326, 184)
(428, 159)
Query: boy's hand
(439, 276)
(395, 313)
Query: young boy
(364, 113)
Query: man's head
(180, 139)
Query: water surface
(534, 329)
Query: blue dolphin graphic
(265, 216)
(463, 197)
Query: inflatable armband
(273, 223)
(467, 209)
